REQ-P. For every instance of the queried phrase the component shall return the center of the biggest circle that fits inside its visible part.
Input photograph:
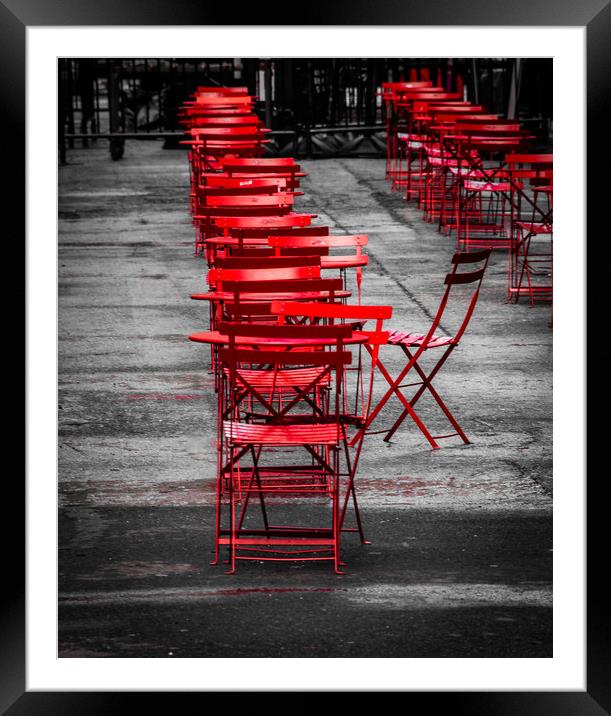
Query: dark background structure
(314, 106)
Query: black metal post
(268, 93)
(117, 145)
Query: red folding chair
(358, 392)
(211, 144)
(530, 269)
(483, 200)
(235, 166)
(341, 262)
(263, 251)
(392, 93)
(214, 207)
(266, 262)
(442, 168)
(292, 178)
(252, 237)
(217, 277)
(232, 120)
(277, 204)
(209, 100)
(414, 346)
(218, 184)
(250, 300)
(241, 225)
(408, 135)
(221, 185)
(283, 449)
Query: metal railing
(314, 106)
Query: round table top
(217, 339)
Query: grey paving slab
(460, 563)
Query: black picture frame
(15, 17)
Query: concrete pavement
(461, 560)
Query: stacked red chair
(294, 351)
(530, 271)
(470, 172)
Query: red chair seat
(472, 185)
(534, 227)
(310, 433)
(416, 339)
(284, 378)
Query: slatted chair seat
(308, 434)
(283, 378)
(357, 414)
(473, 185)
(534, 227)
(417, 339)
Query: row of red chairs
(294, 361)
(470, 172)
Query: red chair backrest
(410, 97)
(218, 276)
(265, 262)
(263, 251)
(237, 183)
(252, 299)
(453, 118)
(281, 165)
(263, 222)
(331, 310)
(228, 121)
(205, 111)
(211, 100)
(330, 240)
(455, 278)
(281, 286)
(254, 201)
(336, 334)
(289, 177)
(238, 132)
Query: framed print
(36, 33)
